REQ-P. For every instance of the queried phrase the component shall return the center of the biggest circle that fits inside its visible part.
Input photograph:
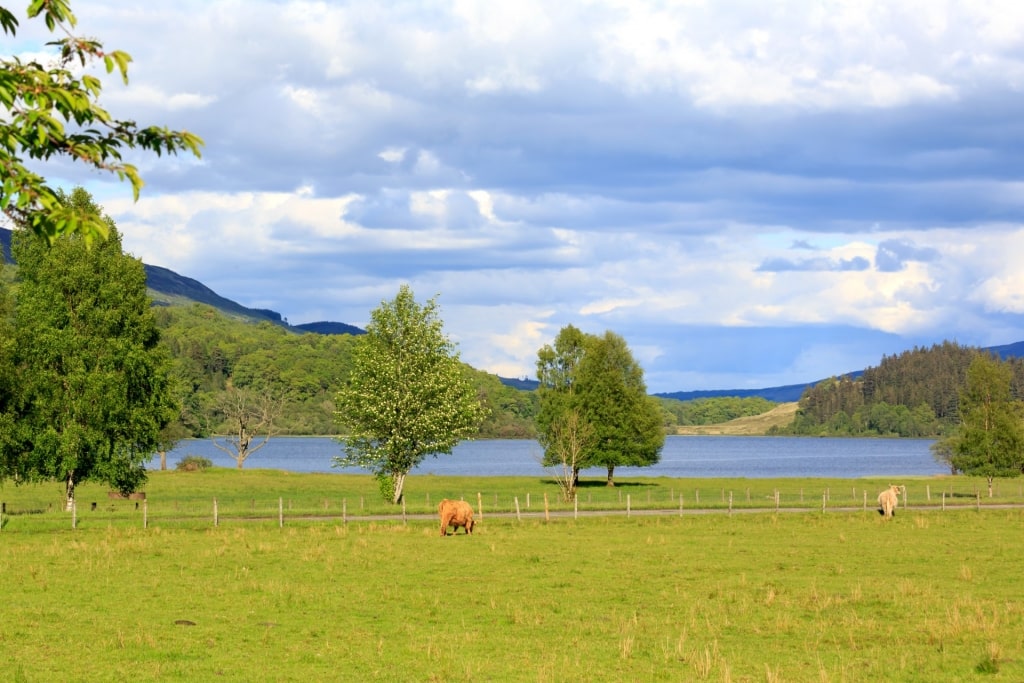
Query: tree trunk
(399, 481)
(990, 487)
(575, 477)
(163, 460)
(70, 492)
(611, 474)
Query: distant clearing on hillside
(754, 425)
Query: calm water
(683, 456)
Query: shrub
(194, 463)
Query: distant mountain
(166, 285)
(783, 394)
(793, 392)
(5, 243)
(325, 327)
(786, 394)
(523, 384)
(1015, 350)
(168, 288)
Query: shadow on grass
(602, 484)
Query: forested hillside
(914, 394)
(298, 373)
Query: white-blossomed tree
(408, 396)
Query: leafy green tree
(94, 390)
(408, 395)
(53, 111)
(8, 379)
(990, 441)
(598, 378)
(626, 421)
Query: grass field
(934, 595)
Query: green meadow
(675, 591)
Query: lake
(756, 457)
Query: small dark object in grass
(989, 665)
(184, 622)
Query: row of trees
(709, 411)
(914, 394)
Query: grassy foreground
(836, 596)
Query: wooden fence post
(145, 514)
(518, 517)
(680, 503)
(74, 514)
(344, 510)
(404, 520)
(547, 517)
(480, 506)
(628, 502)
(216, 521)
(280, 512)
(824, 497)
(575, 506)
(730, 503)
(943, 501)
(865, 500)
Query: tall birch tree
(93, 383)
(408, 395)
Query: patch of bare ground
(755, 425)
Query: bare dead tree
(250, 416)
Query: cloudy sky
(751, 193)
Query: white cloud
(686, 174)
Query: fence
(589, 501)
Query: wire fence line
(142, 512)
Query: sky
(752, 194)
